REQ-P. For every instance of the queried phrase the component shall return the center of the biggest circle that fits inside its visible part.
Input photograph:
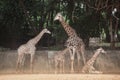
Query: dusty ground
(60, 77)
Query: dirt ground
(60, 77)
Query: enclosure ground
(60, 77)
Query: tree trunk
(31, 24)
(112, 42)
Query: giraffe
(73, 40)
(29, 48)
(59, 59)
(88, 67)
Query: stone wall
(109, 63)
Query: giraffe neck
(69, 30)
(35, 40)
(95, 55)
(92, 60)
(64, 51)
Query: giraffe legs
(72, 54)
(83, 54)
(78, 60)
(32, 54)
(31, 62)
(20, 62)
(93, 70)
(61, 66)
(72, 67)
(56, 64)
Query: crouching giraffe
(88, 67)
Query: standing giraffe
(29, 48)
(88, 67)
(73, 40)
(59, 59)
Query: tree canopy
(22, 19)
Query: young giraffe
(29, 48)
(59, 59)
(73, 40)
(88, 67)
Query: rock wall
(109, 63)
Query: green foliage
(11, 17)
(19, 17)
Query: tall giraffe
(29, 48)
(73, 40)
(59, 59)
(88, 67)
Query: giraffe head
(46, 31)
(101, 50)
(58, 17)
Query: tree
(21, 18)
